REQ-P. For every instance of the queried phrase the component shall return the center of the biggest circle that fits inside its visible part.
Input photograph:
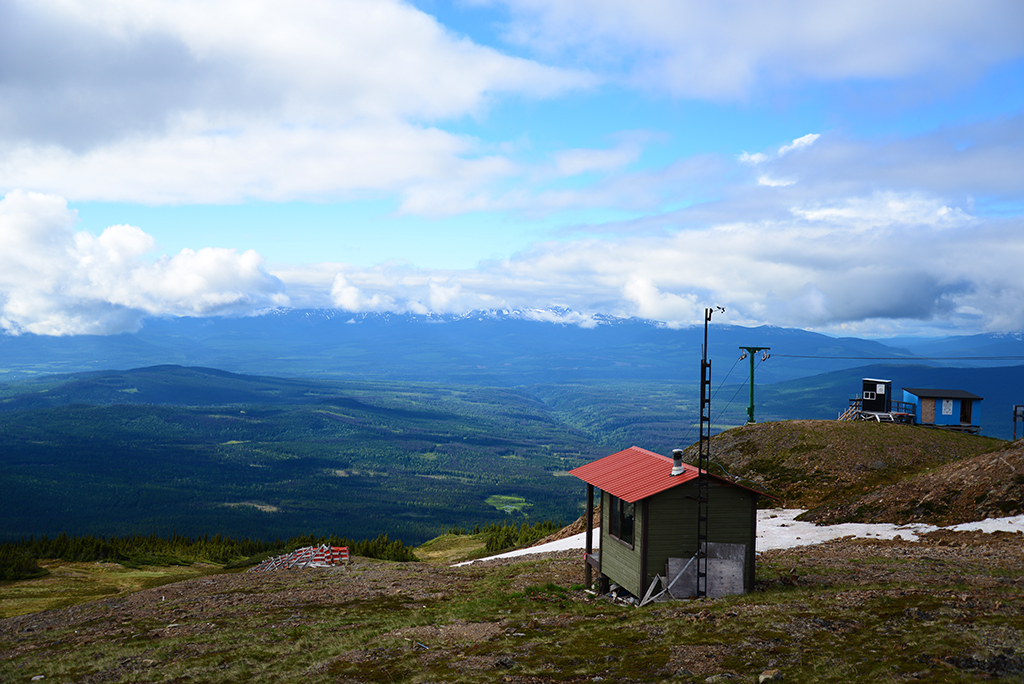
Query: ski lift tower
(764, 357)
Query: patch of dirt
(447, 634)
(699, 659)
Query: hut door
(928, 411)
(965, 411)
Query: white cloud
(574, 162)
(859, 264)
(55, 281)
(653, 303)
(863, 265)
(199, 101)
(548, 188)
(726, 50)
(885, 209)
(753, 159)
(761, 158)
(978, 159)
(801, 142)
(774, 182)
(269, 163)
(347, 296)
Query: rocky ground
(957, 599)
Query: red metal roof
(634, 474)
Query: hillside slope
(988, 485)
(949, 609)
(808, 463)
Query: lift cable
(738, 389)
(729, 403)
(715, 394)
(728, 474)
(722, 384)
(904, 358)
(718, 417)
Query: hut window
(622, 515)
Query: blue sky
(849, 168)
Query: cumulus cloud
(813, 270)
(56, 281)
(880, 260)
(726, 50)
(835, 249)
(200, 101)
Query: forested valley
(166, 451)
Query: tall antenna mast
(703, 460)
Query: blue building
(953, 409)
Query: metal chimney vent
(677, 462)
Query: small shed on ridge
(877, 395)
(954, 409)
(649, 516)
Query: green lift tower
(751, 351)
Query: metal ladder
(703, 460)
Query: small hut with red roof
(649, 525)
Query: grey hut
(649, 524)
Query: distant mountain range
(807, 375)
(485, 347)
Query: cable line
(715, 394)
(722, 384)
(736, 392)
(905, 358)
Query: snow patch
(778, 529)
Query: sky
(848, 168)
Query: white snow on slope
(778, 529)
